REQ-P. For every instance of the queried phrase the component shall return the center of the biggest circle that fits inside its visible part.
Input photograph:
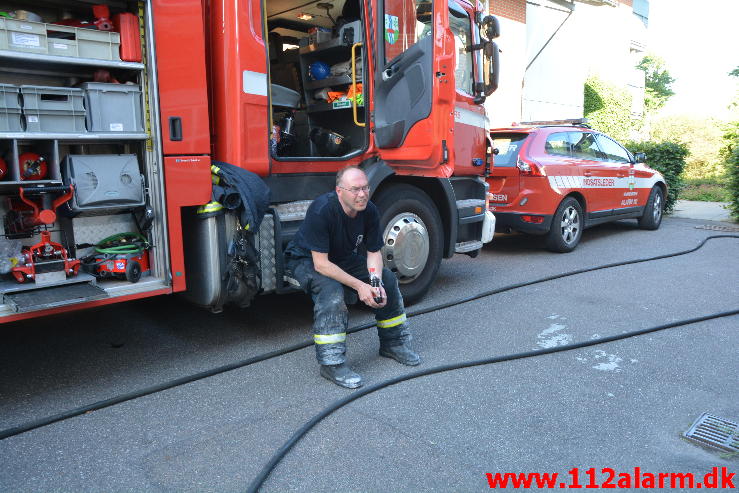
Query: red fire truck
(113, 114)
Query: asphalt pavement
(709, 211)
(616, 405)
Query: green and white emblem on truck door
(391, 28)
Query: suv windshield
(508, 146)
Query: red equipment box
(128, 26)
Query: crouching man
(323, 258)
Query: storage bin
(110, 182)
(23, 36)
(52, 98)
(9, 97)
(62, 47)
(113, 107)
(61, 40)
(10, 108)
(53, 39)
(53, 109)
(10, 120)
(127, 25)
(54, 121)
(104, 45)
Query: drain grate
(715, 432)
(716, 227)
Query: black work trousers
(330, 314)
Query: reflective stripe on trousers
(391, 322)
(329, 338)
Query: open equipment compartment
(312, 62)
(78, 164)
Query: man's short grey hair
(340, 173)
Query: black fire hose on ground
(32, 425)
(298, 435)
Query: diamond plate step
(44, 298)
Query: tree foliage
(735, 103)
(704, 138)
(732, 164)
(657, 82)
(730, 153)
(608, 108)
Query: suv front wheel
(567, 225)
(652, 217)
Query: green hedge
(732, 163)
(730, 153)
(608, 108)
(669, 159)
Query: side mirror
(492, 67)
(490, 27)
(640, 157)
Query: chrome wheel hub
(657, 213)
(406, 248)
(570, 225)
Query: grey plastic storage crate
(52, 39)
(9, 97)
(53, 109)
(103, 182)
(10, 109)
(54, 121)
(23, 36)
(104, 45)
(113, 107)
(45, 98)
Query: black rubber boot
(341, 375)
(402, 354)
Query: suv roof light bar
(574, 122)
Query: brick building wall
(510, 9)
(516, 9)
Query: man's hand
(367, 294)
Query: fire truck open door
(414, 86)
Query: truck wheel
(413, 238)
(652, 217)
(566, 229)
(133, 271)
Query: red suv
(557, 180)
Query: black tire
(567, 225)
(652, 217)
(405, 213)
(133, 271)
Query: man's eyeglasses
(356, 190)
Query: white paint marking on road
(611, 362)
(550, 337)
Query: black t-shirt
(327, 229)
